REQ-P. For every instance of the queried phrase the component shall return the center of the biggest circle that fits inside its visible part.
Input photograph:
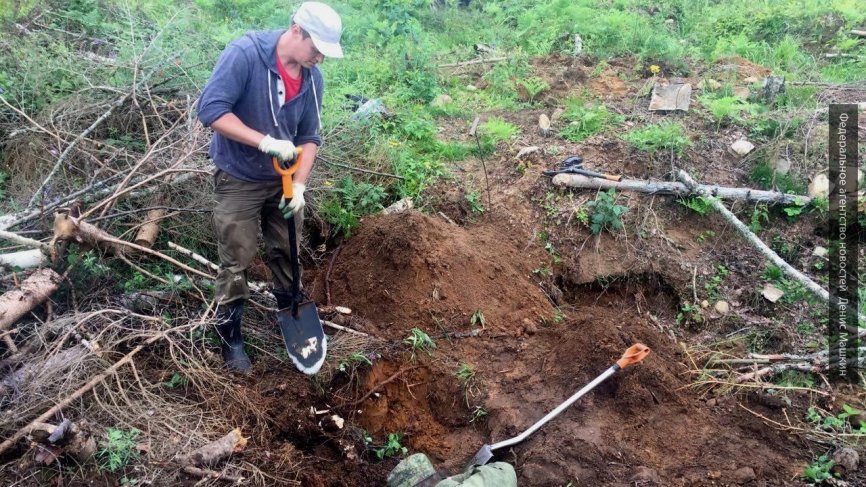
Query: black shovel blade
(305, 339)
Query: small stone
(820, 186)
(543, 125)
(441, 100)
(741, 92)
(645, 475)
(782, 165)
(343, 310)
(820, 251)
(399, 206)
(845, 461)
(742, 147)
(714, 474)
(705, 304)
(557, 114)
(744, 475)
(529, 327)
(750, 80)
(722, 307)
(772, 293)
(527, 151)
(711, 402)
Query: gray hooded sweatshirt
(246, 82)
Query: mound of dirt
(411, 270)
(643, 425)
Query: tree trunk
(680, 189)
(18, 302)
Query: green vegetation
(662, 136)
(713, 285)
(699, 204)
(605, 213)
(419, 341)
(465, 374)
(819, 470)
(767, 178)
(477, 319)
(392, 447)
(118, 449)
(586, 119)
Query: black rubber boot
(284, 298)
(229, 329)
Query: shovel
(300, 325)
(574, 165)
(633, 355)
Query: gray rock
(744, 475)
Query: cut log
(803, 279)
(215, 451)
(681, 190)
(18, 302)
(25, 259)
(148, 232)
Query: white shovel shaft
(577, 395)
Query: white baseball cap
(324, 26)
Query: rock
(820, 186)
(772, 293)
(557, 114)
(722, 307)
(711, 402)
(741, 92)
(645, 475)
(742, 147)
(705, 304)
(529, 327)
(773, 85)
(673, 96)
(845, 461)
(399, 206)
(441, 100)
(782, 165)
(343, 310)
(711, 85)
(526, 151)
(820, 251)
(543, 125)
(744, 475)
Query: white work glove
(284, 150)
(297, 202)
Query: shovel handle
(633, 355)
(286, 174)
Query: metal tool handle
(287, 173)
(633, 355)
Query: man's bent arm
(231, 127)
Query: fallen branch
(215, 451)
(85, 232)
(194, 256)
(18, 302)
(376, 388)
(358, 169)
(858, 33)
(63, 155)
(680, 189)
(343, 328)
(148, 232)
(78, 393)
(474, 61)
(20, 240)
(803, 279)
(24, 259)
(211, 474)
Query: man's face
(308, 55)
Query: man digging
(263, 100)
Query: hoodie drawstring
(271, 99)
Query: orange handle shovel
(633, 355)
(286, 174)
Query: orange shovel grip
(633, 355)
(286, 174)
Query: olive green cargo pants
(241, 209)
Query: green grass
(762, 174)
(657, 137)
(585, 119)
